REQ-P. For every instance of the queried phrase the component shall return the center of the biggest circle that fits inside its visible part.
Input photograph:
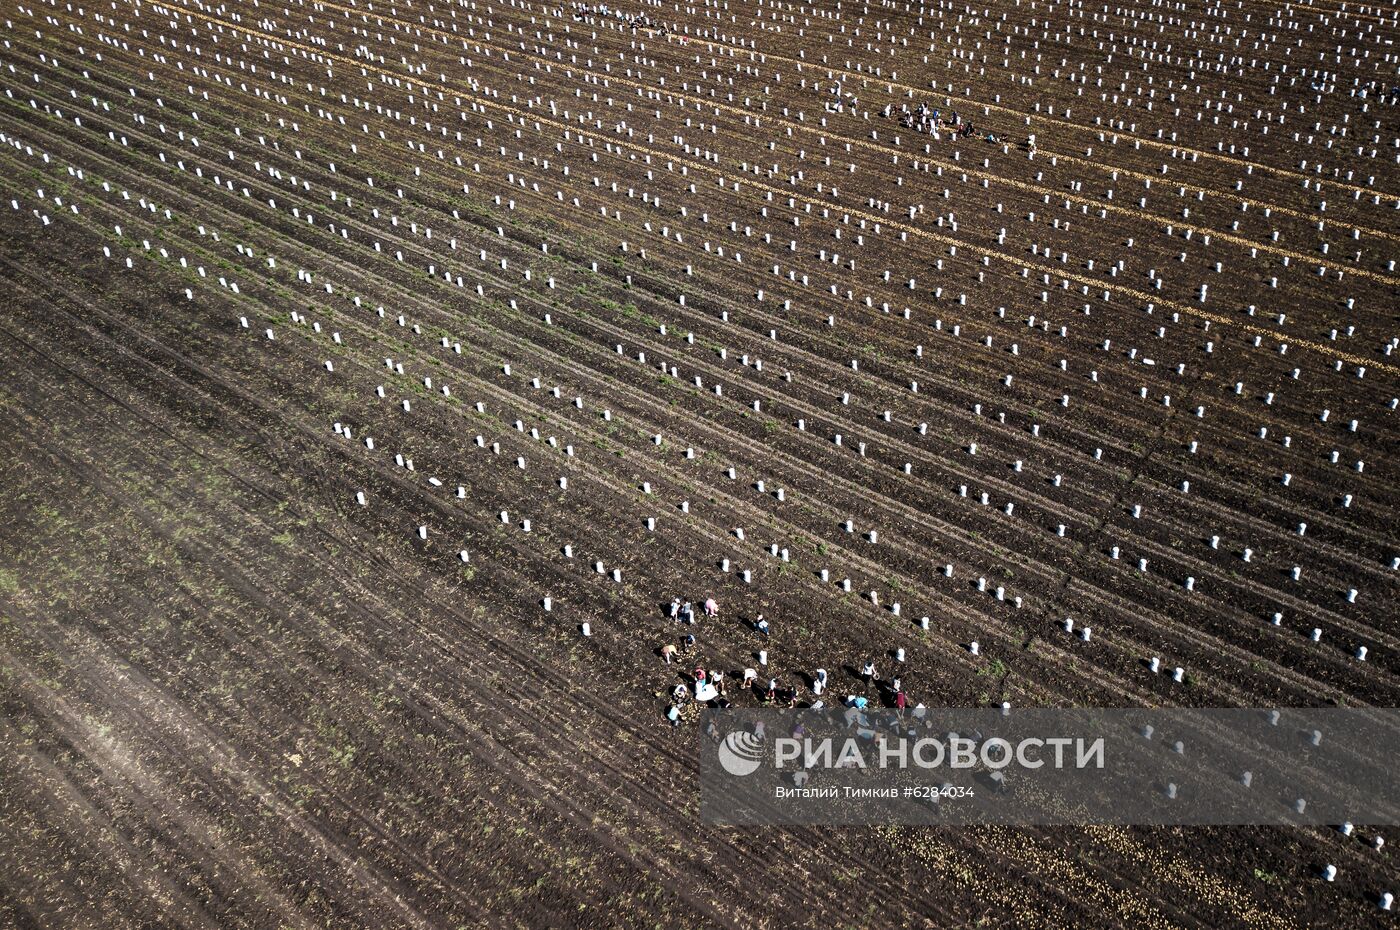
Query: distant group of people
(1389, 94)
(929, 121)
(638, 20)
(684, 611)
(710, 687)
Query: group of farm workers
(711, 686)
(928, 121)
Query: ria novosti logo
(1041, 766)
(741, 752)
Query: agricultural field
(374, 374)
